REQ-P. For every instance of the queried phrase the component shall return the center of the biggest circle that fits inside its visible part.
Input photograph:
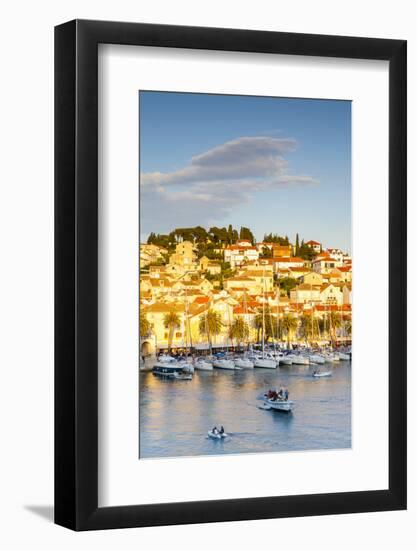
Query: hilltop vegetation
(210, 242)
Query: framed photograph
(230, 244)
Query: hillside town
(221, 289)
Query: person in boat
(281, 392)
(286, 394)
(215, 430)
(221, 430)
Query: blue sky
(272, 164)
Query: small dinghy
(216, 435)
(321, 374)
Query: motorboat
(275, 400)
(169, 368)
(280, 405)
(344, 356)
(202, 364)
(216, 434)
(318, 374)
(244, 363)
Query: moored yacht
(223, 363)
(299, 359)
(265, 363)
(244, 363)
(316, 358)
(167, 368)
(203, 364)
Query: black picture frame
(76, 272)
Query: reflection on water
(176, 415)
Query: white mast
(263, 315)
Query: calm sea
(176, 415)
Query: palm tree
(335, 321)
(266, 318)
(171, 322)
(210, 325)
(144, 325)
(309, 327)
(239, 330)
(289, 323)
(348, 327)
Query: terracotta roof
(241, 310)
(288, 260)
(197, 309)
(259, 273)
(322, 257)
(201, 300)
(239, 278)
(164, 308)
(300, 269)
(241, 248)
(312, 243)
(239, 289)
(157, 283)
(306, 286)
(253, 303)
(333, 307)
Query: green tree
(297, 245)
(171, 322)
(287, 284)
(266, 252)
(246, 233)
(239, 331)
(276, 239)
(145, 326)
(210, 325)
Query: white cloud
(215, 181)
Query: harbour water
(174, 416)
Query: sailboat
(263, 361)
(222, 361)
(313, 357)
(244, 362)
